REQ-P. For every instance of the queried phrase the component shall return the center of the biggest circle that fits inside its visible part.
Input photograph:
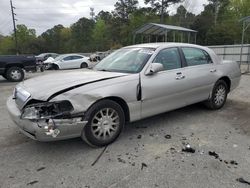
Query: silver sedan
(132, 83)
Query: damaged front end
(50, 112)
(46, 121)
(47, 110)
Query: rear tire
(15, 74)
(219, 96)
(84, 65)
(106, 120)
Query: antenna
(92, 13)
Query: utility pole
(14, 24)
(216, 12)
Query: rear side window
(196, 56)
(169, 58)
(77, 57)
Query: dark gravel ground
(147, 154)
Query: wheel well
(84, 63)
(123, 104)
(13, 65)
(227, 80)
(54, 65)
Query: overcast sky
(44, 14)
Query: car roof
(66, 55)
(165, 45)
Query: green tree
(52, 39)
(82, 35)
(100, 36)
(123, 8)
(161, 6)
(182, 17)
(25, 36)
(7, 45)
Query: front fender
(125, 88)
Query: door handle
(213, 70)
(179, 76)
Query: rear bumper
(69, 128)
(235, 82)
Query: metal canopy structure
(156, 31)
(246, 24)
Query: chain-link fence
(233, 52)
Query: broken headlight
(47, 110)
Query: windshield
(41, 55)
(128, 60)
(59, 57)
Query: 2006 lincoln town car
(132, 83)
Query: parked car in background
(130, 84)
(44, 56)
(12, 66)
(69, 61)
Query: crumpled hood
(42, 87)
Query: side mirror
(154, 68)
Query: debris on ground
(139, 137)
(32, 182)
(241, 180)
(188, 149)
(168, 136)
(235, 145)
(121, 160)
(143, 165)
(99, 156)
(39, 169)
(212, 153)
(232, 162)
(157, 157)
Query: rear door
(200, 74)
(165, 90)
(76, 62)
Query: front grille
(21, 97)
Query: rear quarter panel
(230, 69)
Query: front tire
(55, 67)
(15, 74)
(219, 95)
(105, 122)
(4, 76)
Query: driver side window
(169, 58)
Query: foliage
(218, 23)
(160, 6)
